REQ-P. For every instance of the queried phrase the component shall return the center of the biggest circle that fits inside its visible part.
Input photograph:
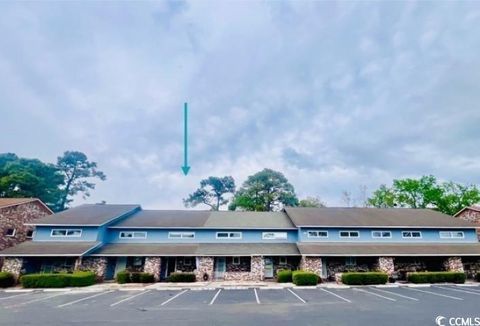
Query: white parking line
(129, 298)
(336, 295)
(15, 295)
(375, 294)
(256, 295)
(437, 294)
(397, 294)
(215, 296)
(297, 296)
(458, 290)
(36, 300)
(172, 298)
(83, 299)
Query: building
(471, 214)
(246, 245)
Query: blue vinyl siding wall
(428, 235)
(159, 235)
(42, 233)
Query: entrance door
(220, 268)
(111, 264)
(268, 267)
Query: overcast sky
(334, 95)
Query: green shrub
(82, 279)
(146, 278)
(181, 277)
(284, 276)
(436, 277)
(123, 277)
(59, 280)
(135, 277)
(6, 280)
(477, 277)
(364, 278)
(305, 278)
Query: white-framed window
(317, 234)
(274, 235)
(381, 234)
(66, 233)
(229, 235)
(349, 234)
(282, 261)
(10, 232)
(29, 234)
(132, 235)
(350, 261)
(181, 235)
(412, 234)
(452, 234)
(235, 260)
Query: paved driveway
(252, 306)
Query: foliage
(212, 192)
(77, 170)
(477, 277)
(436, 277)
(59, 280)
(364, 278)
(6, 279)
(284, 276)
(426, 192)
(267, 190)
(21, 177)
(147, 278)
(305, 278)
(178, 277)
(125, 276)
(311, 202)
(122, 277)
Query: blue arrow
(185, 167)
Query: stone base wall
(311, 264)
(453, 264)
(471, 265)
(240, 276)
(386, 265)
(243, 266)
(185, 264)
(204, 266)
(152, 266)
(13, 265)
(98, 265)
(256, 273)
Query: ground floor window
(48, 265)
(471, 266)
(135, 264)
(238, 264)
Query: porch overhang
(50, 249)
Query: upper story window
(381, 234)
(181, 235)
(349, 234)
(229, 235)
(412, 234)
(274, 235)
(132, 235)
(452, 234)
(317, 234)
(66, 233)
(10, 232)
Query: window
(181, 235)
(10, 232)
(229, 235)
(282, 261)
(349, 234)
(350, 261)
(70, 233)
(381, 234)
(236, 260)
(187, 261)
(29, 234)
(452, 234)
(132, 235)
(274, 235)
(412, 234)
(317, 234)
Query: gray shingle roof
(389, 249)
(247, 249)
(376, 217)
(50, 248)
(87, 215)
(267, 220)
(165, 218)
(147, 249)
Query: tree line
(54, 184)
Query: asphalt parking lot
(248, 306)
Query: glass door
(268, 267)
(220, 268)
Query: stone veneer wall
(386, 265)
(13, 265)
(152, 266)
(471, 215)
(98, 265)
(257, 273)
(181, 266)
(204, 266)
(471, 265)
(311, 264)
(453, 264)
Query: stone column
(257, 268)
(204, 266)
(386, 265)
(152, 266)
(78, 264)
(311, 264)
(453, 264)
(13, 265)
(98, 265)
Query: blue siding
(42, 233)
(428, 235)
(159, 235)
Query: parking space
(277, 296)
(233, 296)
